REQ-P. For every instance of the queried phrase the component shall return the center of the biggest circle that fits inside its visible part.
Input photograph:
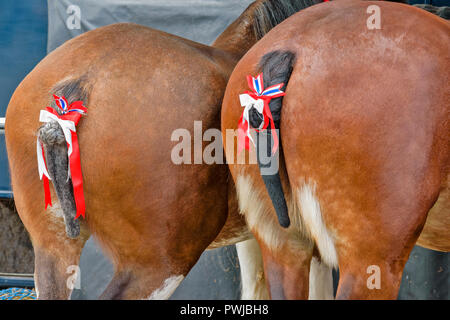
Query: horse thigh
(56, 271)
(374, 249)
(152, 253)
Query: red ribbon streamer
(47, 196)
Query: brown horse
(153, 217)
(365, 149)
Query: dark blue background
(23, 43)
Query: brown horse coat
(365, 136)
(153, 217)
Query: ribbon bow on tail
(67, 118)
(258, 98)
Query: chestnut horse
(365, 151)
(153, 217)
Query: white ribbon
(67, 126)
(41, 163)
(248, 102)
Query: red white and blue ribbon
(67, 118)
(258, 98)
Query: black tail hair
(276, 67)
(443, 12)
(270, 13)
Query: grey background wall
(28, 29)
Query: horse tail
(277, 68)
(55, 148)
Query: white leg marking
(253, 284)
(167, 288)
(312, 216)
(320, 281)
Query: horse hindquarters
(363, 218)
(366, 172)
(364, 140)
(56, 254)
(286, 255)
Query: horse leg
(287, 270)
(371, 261)
(151, 256)
(286, 252)
(373, 270)
(253, 285)
(320, 281)
(298, 275)
(361, 280)
(253, 279)
(56, 255)
(131, 283)
(56, 270)
(374, 277)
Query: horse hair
(443, 12)
(72, 90)
(55, 148)
(269, 13)
(277, 68)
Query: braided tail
(276, 67)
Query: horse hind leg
(129, 285)
(56, 274)
(286, 254)
(372, 261)
(320, 281)
(133, 282)
(253, 285)
(56, 271)
(253, 282)
(287, 269)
